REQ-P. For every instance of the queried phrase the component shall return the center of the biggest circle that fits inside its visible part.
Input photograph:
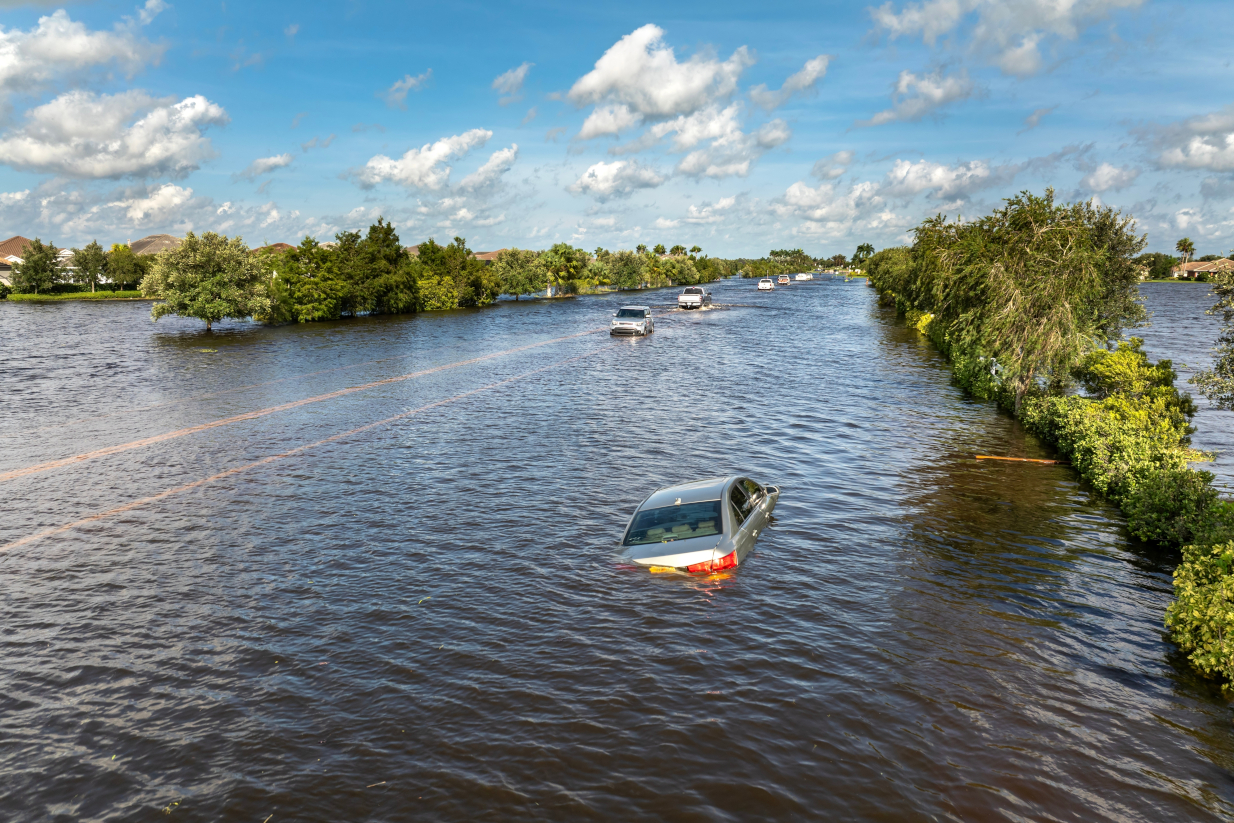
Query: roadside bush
(1173, 507)
(1201, 618)
(5, 291)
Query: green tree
(1217, 383)
(864, 252)
(125, 268)
(626, 269)
(659, 249)
(677, 250)
(208, 277)
(388, 279)
(641, 248)
(89, 263)
(519, 272)
(566, 267)
(839, 261)
(39, 269)
(1186, 248)
(310, 274)
(695, 249)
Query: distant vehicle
(632, 320)
(766, 284)
(783, 280)
(805, 276)
(694, 297)
(700, 527)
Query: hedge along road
(426, 617)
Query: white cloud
(833, 166)
(292, 30)
(1009, 33)
(265, 165)
(59, 48)
(617, 179)
(733, 152)
(159, 206)
(1203, 142)
(666, 223)
(609, 120)
(1109, 178)
(82, 134)
(804, 80)
(824, 205)
(711, 213)
(643, 73)
(151, 10)
(916, 96)
(10, 198)
(498, 164)
(424, 167)
(396, 95)
(510, 83)
(907, 179)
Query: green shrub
(1171, 507)
(5, 291)
(1201, 617)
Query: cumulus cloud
(804, 80)
(265, 165)
(833, 166)
(396, 95)
(822, 204)
(1010, 34)
(643, 74)
(611, 119)
(617, 179)
(943, 182)
(916, 96)
(510, 83)
(61, 49)
(1204, 142)
(497, 164)
(733, 155)
(710, 213)
(1109, 178)
(161, 205)
(422, 168)
(86, 135)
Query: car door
(742, 510)
(758, 509)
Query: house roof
(487, 256)
(13, 247)
(154, 244)
(273, 247)
(1205, 266)
(414, 251)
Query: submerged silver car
(632, 320)
(700, 527)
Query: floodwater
(425, 620)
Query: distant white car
(694, 297)
(805, 275)
(632, 320)
(766, 284)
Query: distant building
(488, 256)
(11, 252)
(1190, 271)
(274, 248)
(154, 244)
(414, 251)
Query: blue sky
(740, 127)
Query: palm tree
(864, 251)
(678, 249)
(641, 248)
(1186, 248)
(659, 249)
(695, 249)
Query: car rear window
(669, 523)
(693, 291)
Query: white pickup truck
(694, 297)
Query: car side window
(755, 491)
(741, 502)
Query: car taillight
(728, 561)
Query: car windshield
(630, 313)
(671, 523)
(693, 291)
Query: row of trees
(1030, 304)
(44, 270)
(212, 277)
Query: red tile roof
(13, 247)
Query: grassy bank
(1030, 305)
(83, 295)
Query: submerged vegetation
(1030, 304)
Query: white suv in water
(632, 320)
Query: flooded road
(424, 619)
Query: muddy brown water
(426, 620)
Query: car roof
(648, 308)
(696, 491)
